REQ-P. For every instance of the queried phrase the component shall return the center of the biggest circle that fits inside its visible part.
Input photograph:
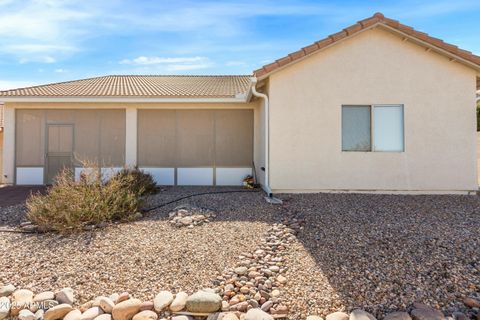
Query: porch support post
(131, 136)
(8, 173)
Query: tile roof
(141, 86)
(377, 18)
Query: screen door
(59, 153)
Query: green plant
(478, 115)
(138, 181)
(71, 205)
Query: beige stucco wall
(375, 67)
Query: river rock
(314, 318)
(125, 310)
(257, 314)
(104, 316)
(57, 312)
(204, 302)
(182, 317)
(337, 316)
(179, 302)
(267, 305)
(4, 307)
(91, 313)
(146, 305)
(359, 314)
(7, 290)
(65, 295)
(426, 313)
(472, 302)
(75, 314)
(26, 314)
(397, 316)
(145, 315)
(47, 295)
(39, 314)
(228, 316)
(106, 304)
(162, 300)
(22, 299)
(241, 270)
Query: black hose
(195, 195)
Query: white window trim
(372, 127)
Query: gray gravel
(376, 252)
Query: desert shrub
(138, 181)
(71, 205)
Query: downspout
(266, 186)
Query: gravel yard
(377, 252)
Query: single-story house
(376, 107)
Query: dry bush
(71, 205)
(139, 181)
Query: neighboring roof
(376, 19)
(141, 86)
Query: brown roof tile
(377, 18)
(141, 86)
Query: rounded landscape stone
(162, 300)
(145, 315)
(397, 316)
(57, 312)
(257, 314)
(337, 316)
(359, 314)
(125, 310)
(204, 302)
(179, 302)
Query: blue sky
(43, 41)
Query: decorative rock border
(23, 304)
(256, 281)
(190, 216)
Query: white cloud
(142, 60)
(42, 59)
(61, 71)
(167, 64)
(7, 84)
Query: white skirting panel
(162, 176)
(107, 173)
(30, 176)
(195, 176)
(231, 176)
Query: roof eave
(451, 56)
(236, 99)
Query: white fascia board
(239, 99)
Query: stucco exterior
(373, 67)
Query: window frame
(372, 127)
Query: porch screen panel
(112, 137)
(30, 137)
(87, 136)
(233, 138)
(60, 116)
(195, 138)
(156, 138)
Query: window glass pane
(388, 128)
(356, 128)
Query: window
(372, 128)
